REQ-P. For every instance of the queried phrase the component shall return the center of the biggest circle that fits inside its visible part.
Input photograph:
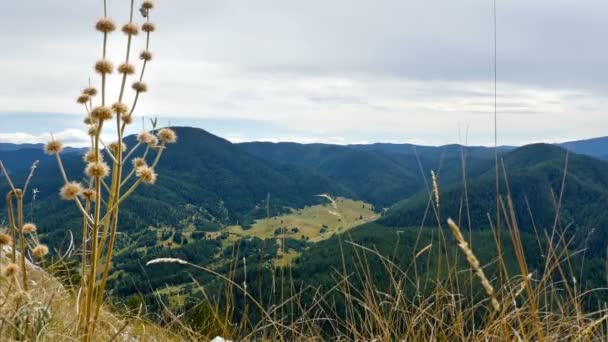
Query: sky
(339, 71)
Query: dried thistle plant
(108, 185)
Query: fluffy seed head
(29, 228)
(126, 68)
(11, 269)
(89, 195)
(146, 174)
(120, 108)
(167, 135)
(105, 25)
(114, 146)
(83, 99)
(97, 169)
(71, 191)
(88, 120)
(148, 27)
(53, 147)
(127, 119)
(91, 91)
(147, 5)
(147, 138)
(130, 29)
(40, 251)
(101, 113)
(139, 162)
(145, 55)
(140, 87)
(104, 67)
(91, 156)
(5, 239)
(92, 131)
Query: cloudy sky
(341, 71)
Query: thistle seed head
(29, 228)
(148, 27)
(144, 137)
(167, 135)
(101, 113)
(139, 162)
(88, 120)
(114, 146)
(89, 195)
(130, 29)
(126, 68)
(105, 25)
(83, 99)
(120, 108)
(71, 191)
(92, 131)
(53, 147)
(104, 67)
(91, 156)
(140, 87)
(97, 169)
(145, 55)
(91, 91)
(5, 239)
(146, 174)
(147, 5)
(127, 119)
(10, 270)
(40, 251)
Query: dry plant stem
(11, 222)
(19, 197)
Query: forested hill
(377, 173)
(534, 174)
(202, 175)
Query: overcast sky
(341, 71)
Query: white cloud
(71, 137)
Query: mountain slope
(534, 175)
(380, 177)
(202, 177)
(597, 147)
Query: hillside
(202, 178)
(596, 147)
(535, 175)
(377, 173)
